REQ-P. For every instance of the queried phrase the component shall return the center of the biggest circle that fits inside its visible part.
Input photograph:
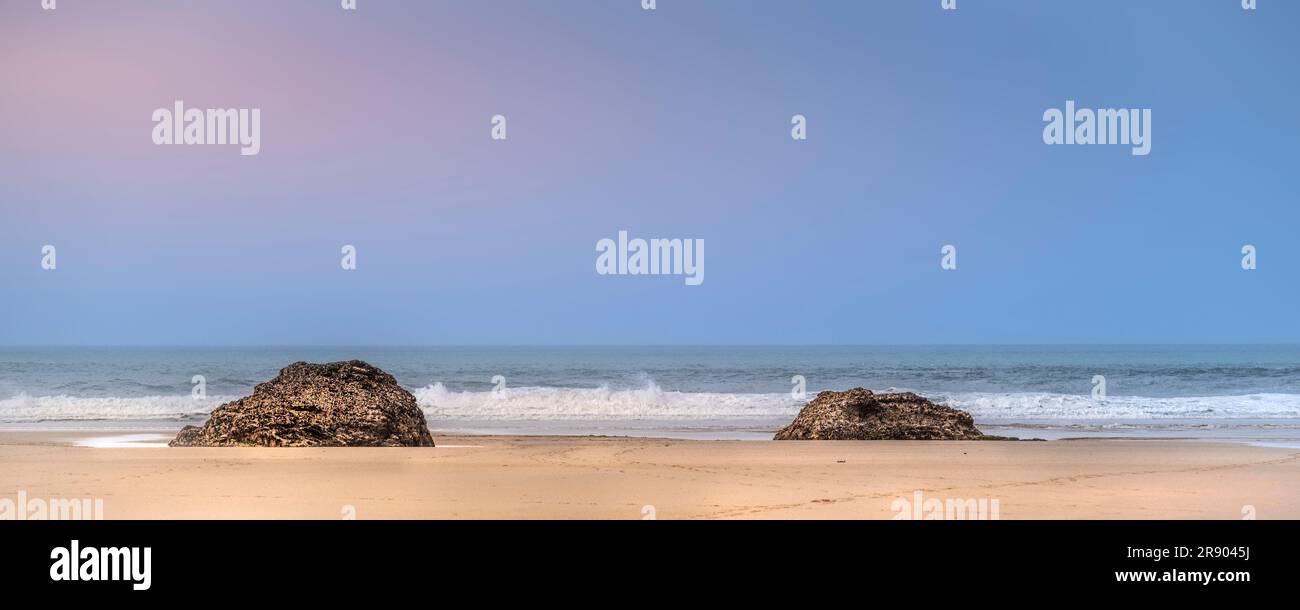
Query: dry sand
(616, 478)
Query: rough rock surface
(340, 404)
(858, 414)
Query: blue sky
(925, 129)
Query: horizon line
(642, 345)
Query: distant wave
(1020, 406)
(651, 402)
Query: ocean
(1249, 393)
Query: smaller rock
(858, 414)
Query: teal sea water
(1231, 392)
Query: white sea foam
(647, 403)
(1030, 406)
(651, 402)
(126, 441)
(25, 408)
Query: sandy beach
(632, 478)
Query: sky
(924, 129)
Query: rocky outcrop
(858, 414)
(340, 404)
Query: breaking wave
(651, 402)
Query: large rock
(340, 404)
(858, 414)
